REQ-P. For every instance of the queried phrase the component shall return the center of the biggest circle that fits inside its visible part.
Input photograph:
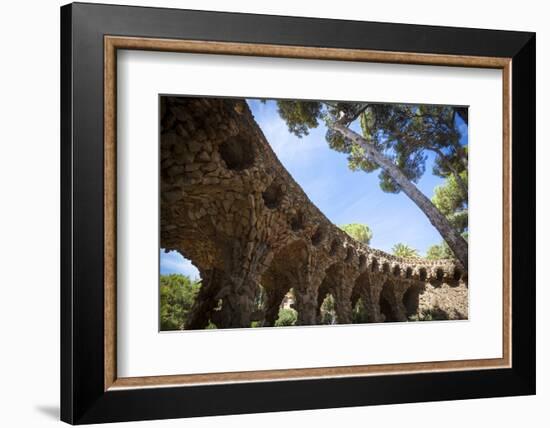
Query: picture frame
(91, 35)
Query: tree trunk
(456, 242)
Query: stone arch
(422, 274)
(273, 300)
(374, 265)
(396, 271)
(360, 312)
(361, 293)
(238, 153)
(411, 300)
(214, 234)
(277, 279)
(355, 296)
(338, 283)
(297, 266)
(328, 316)
(439, 274)
(359, 288)
(321, 295)
(387, 303)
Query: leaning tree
(395, 139)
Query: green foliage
(450, 164)
(437, 252)
(359, 313)
(328, 310)
(177, 294)
(451, 201)
(287, 317)
(300, 116)
(442, 251)
(359, 232)
(403, 250)
(403, 133)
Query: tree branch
(455, 241)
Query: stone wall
(229, 206)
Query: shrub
(287, 317)
(328, 310)
(177, 294)
(359, 314)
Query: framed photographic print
(266, 213)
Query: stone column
(343, 280)
(400, 287)
(395, 309)
(411, 297)
(206, 301)
(371, 297)
(306, 303)
(244, 266)
(274, 297)
(342, 303)
(321, 294)
(306, 278)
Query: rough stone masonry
(229, 206)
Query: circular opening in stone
(374, 266)
(333, 247)
(349, 255)
(237, 153)
(318, 236)
(297, 221)
(422, 274)
(273, 195)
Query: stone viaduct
(229, 206)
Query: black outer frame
(83, 399)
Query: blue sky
(344, 196)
